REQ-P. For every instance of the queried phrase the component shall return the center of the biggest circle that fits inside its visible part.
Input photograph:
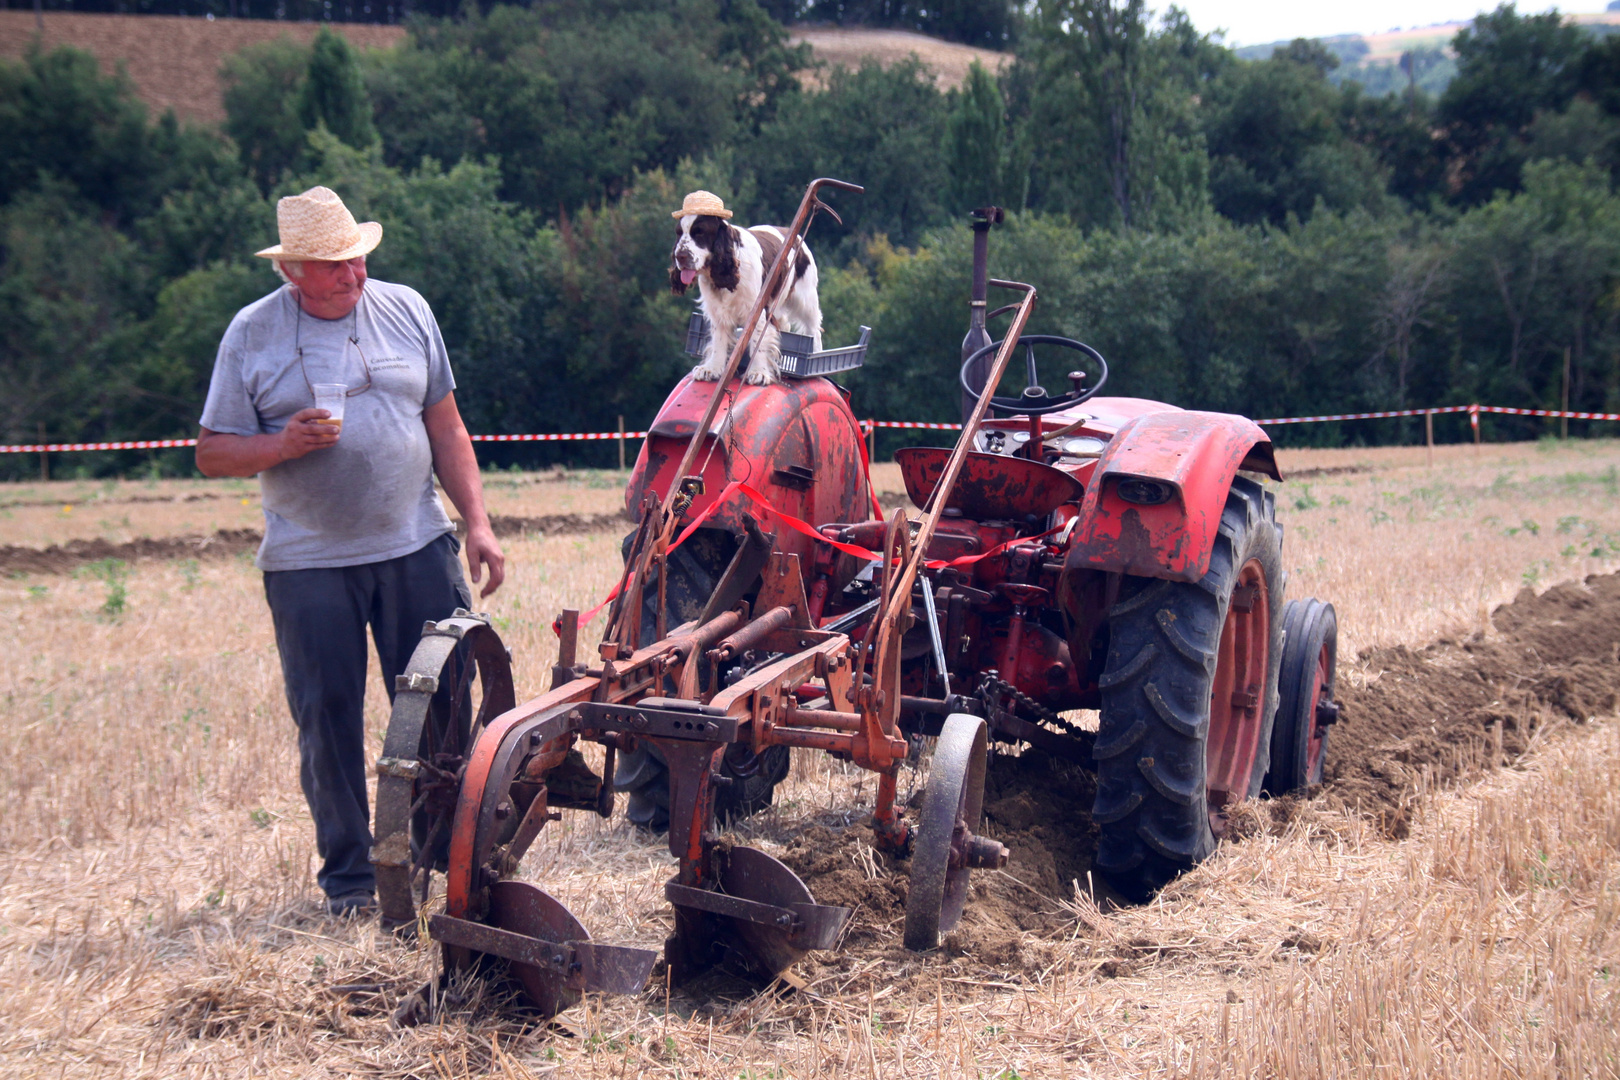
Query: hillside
(1373, 59)
(174, 62)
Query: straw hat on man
(355, 535)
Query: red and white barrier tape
(1550, 412)
(55, 448)
(561, 437)
(1365, 415)
(1473, 412)
(163, 444)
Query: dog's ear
(723, 272)
(676, 285)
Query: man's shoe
(358, 905)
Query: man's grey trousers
(320, 619)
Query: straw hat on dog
(317, 226)
(700, 203)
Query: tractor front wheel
(1188, 698)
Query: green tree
(982, 161)
(60, 117)
(161, 366)
(1276, 143)
(1111, 110)
(883, 128)
(68, 280)
(334, 94)
(263, 86)
(571, 100)
(1509, 68)
(1536, 272)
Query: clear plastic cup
(331, 396)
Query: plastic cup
(331, 397)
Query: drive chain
(992, 687)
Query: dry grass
(851, 46)
(1408, 553)
(158, 915)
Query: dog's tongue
(688, 276)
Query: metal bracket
(404, 768)
(664, 718)
(807, 926)
(582, 965)
(416, 682)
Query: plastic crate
(798, 362)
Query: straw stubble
(158, 915)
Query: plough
(1122, 559)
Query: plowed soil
(64, 558)
(1444, 712)
(1414, 719)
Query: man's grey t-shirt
(371, 496)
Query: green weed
(115, 573)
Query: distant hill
(848, 46)
(1373, 60)
(174, 62)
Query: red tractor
(1073, 552)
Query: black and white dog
(729, 264)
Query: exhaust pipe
(977, 336)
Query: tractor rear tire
(1189, 693)
(694, 571)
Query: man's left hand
(483, 550)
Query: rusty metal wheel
(1189, 693)
(945, 848)
(459, 678)
(1306, 711)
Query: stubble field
(1449, 905)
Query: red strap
(969, 560)
(866, 463)
(805, 528)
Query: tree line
(1242, 235)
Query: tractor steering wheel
(1035, 401)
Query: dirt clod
(1441, 713)
(1426, 717)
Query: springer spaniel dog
(729, 264)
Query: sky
(1255, 22)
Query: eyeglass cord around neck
(353, 338)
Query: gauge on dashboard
(1082, 446)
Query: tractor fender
(1194, 455)
(796, 442)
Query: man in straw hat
(354, 532)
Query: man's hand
(457, 466)
(220, 453)
(483, 550)
(305, 433)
